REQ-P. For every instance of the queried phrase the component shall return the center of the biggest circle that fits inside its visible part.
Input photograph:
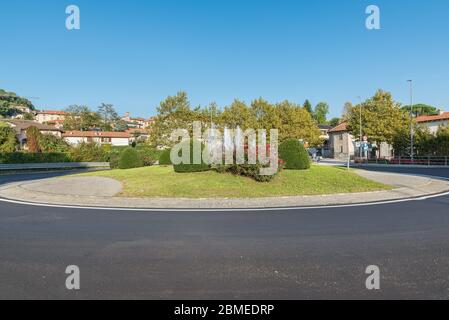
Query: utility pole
(411, 121)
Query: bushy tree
(8, 140)
(173, 113)
(297, 123)
(308, 107)
(81, 118)
(33, 137)
(9, 101)
(421, 109)
(320, 113)
(52, 143)
(382, 118)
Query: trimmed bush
(129, 159)
(191, 167)
(164, 158)
(294, 155)
(148, 155)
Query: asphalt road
(303, 254)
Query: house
(343, 144)
(138, 135)
(20, 126)
(137, 123)
(434, 122)
(102, 138)
(50, 116)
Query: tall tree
(320, 113)
(422, 110)
(382, 118)
(33, 136)
(237, 115)
(173, 113)
(81, 118)
(110, 119)
(297, 123)
(308, 106)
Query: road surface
(304, 254)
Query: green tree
(422, 110)
(9, 101)
(308, 106)
(173, 113)
(382, 118)
(52, 143)
(81, 118)
(297, 123)
(8, 140)
(334, 121)
(33, 136)
(237, 115)
(320, 113)
(110, 119)
(264, 115)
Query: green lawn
(164, 182)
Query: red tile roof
(443, 116)
(55, 112)
(96, 134)
(340, 128)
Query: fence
(416, 161)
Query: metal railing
(416, 161)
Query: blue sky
(135, 53)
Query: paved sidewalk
(101, 192)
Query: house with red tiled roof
(434, 122)
(50, 116)
(109, 138)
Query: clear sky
(135, 53)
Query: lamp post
(361, 133)
(411, 121)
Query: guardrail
(49, 166)
(416, 161)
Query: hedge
(164, 158)
(294, 155)
(24, 157)
(191, 167)
(129, 159)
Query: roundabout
(226, 254)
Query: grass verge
(164, 182)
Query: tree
(173, 113)
(237, 115)
(9, 103)
(347, 109)
(320, 113)
(382, 118)
(334, 122)
(81, 118)
(8, 140)
(308, 106)
(264, 115)
(110, 119)
(297, 123)
(28, 116)
(33, 136)
(52, 143)
(421, 110)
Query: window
(106, 140)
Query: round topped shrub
(164, 158)
(295, 156)
(129, 159)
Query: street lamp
(361, 134)
(411, 119)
